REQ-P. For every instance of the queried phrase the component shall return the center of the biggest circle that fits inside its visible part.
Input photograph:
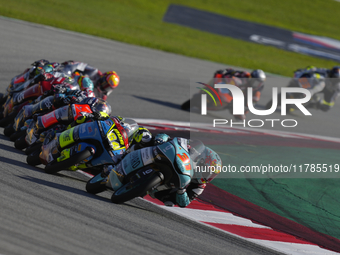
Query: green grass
(140, 22)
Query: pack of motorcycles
(35, 123)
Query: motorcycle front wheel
(33, 159)
(96, 184)
(135, 189)
(33, 148)
(54, 166)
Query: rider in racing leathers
(183, 197)
(319, 81)
(243, 80)
(175, 196)
(104, 83)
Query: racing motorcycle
(223, 100)
(298, 82)
(16, 101)
(63, 96)
(64, 115)
(26, 113)
(163, 166)
(23, 81)
(88, 146)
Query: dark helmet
(97, 105)
(335, 72)
(257, 78)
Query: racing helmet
(204, 158)
(130, 126)
(334, 74)
(97, 105)
(108, 82)
(48, 68)
(257, 78)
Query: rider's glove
(97, 115)
(161, 138)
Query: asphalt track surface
(52, 214)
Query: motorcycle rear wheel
(17, 135)
(33, 159)
(135, 189)
(54, 166)
(32, 148)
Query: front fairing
(19, 119)
(177, 153)
(84, 136)
(49, 150)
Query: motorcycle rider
(183, 197)
(175, 196)
(59, 95)
(104, 83)
(243, 80)
(99, 107)
(130, 131)
(319, 81)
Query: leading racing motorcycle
(163, 166)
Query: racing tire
(54, 166)
(17, 135)
(136, 189)
(20, 143)
(33, 159)
(4, 121)
(32, 148)
(9, 130)
(96, 184)
(8, 119)
(186, 105)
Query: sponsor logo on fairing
(238, 105)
